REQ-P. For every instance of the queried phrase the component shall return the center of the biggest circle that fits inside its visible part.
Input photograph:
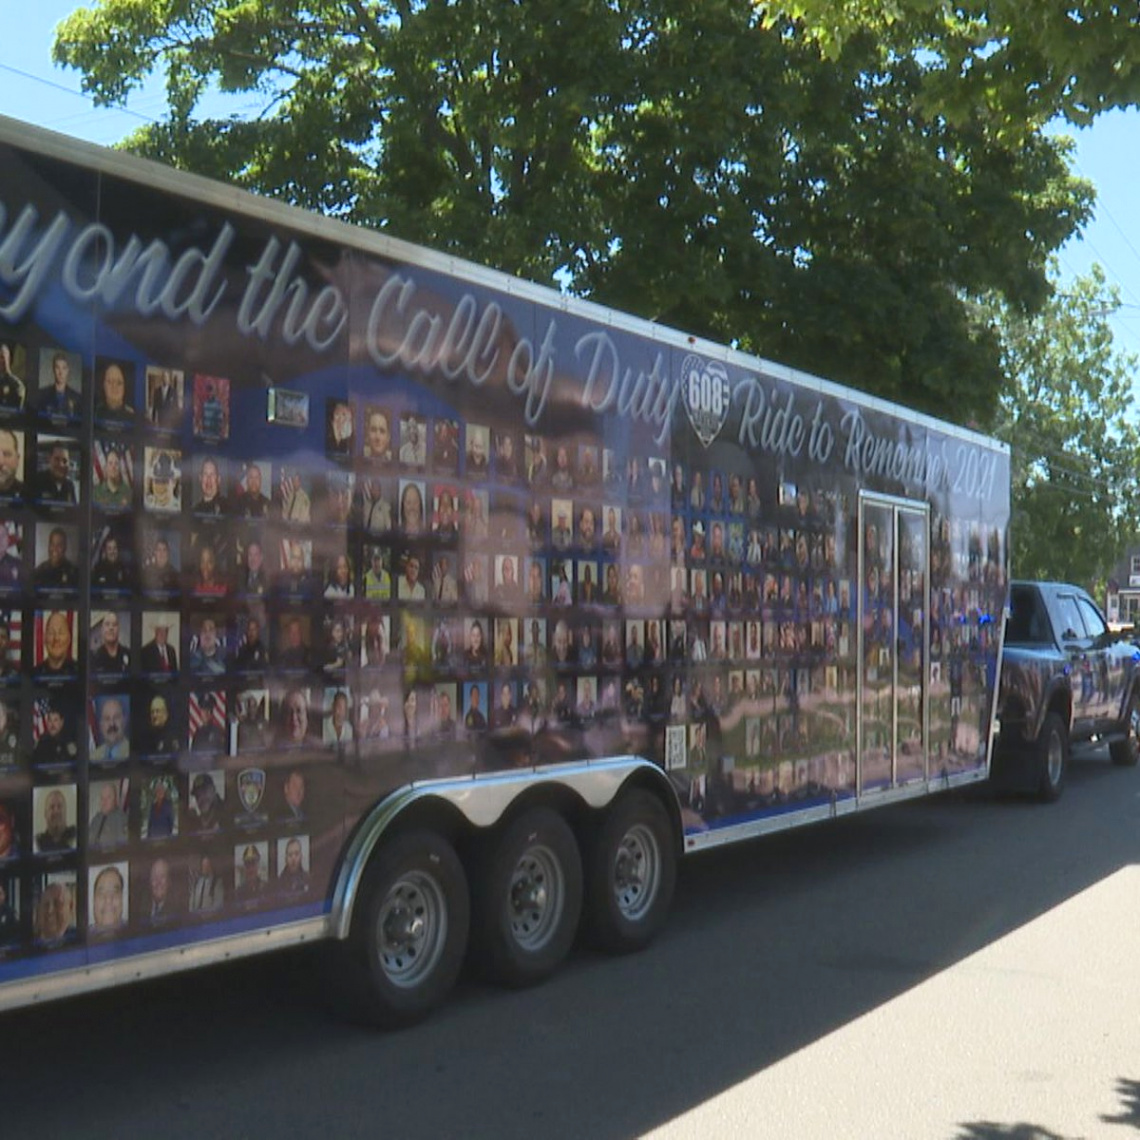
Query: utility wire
(71, 91)
(1102, 207)
(1101, 258)
(1115, 316)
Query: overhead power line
(71, 91)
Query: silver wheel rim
(1055, 760)
(411, 929)
(636, 872)
(536, 897)
(1134, 728)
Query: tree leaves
(1069, 416)
(826, 186)
(1025, 64)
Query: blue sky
(33, 89)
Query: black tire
(1051, 751)
(1126, 751)
(632, 870)
(528, 899)
(409, 932)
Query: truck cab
(1065, 677)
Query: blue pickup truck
(1065, 678)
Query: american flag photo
(209, 705)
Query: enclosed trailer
(353, 592)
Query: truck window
(1027, 624)
(1069, 618)
(1094, 623)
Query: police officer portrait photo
(377, 435)
(251, 872)
(340, 429)
(251, 720)
(413, 441)
(114, 392)
(59, 393)
(110, 720)
(158, 733)
(206, 721)
(252, 482)
(12, 452)
(109, 643)
(446, 439)
(337, 731)
(206, 809)
(211, 407)
(13, 375)
(293, 866)
(108, 826)
(10, 899)
(57, 471)
(55, 566)
(112, 557)
(54, 819)
(161, 631)
(209, 499)
(159, 897)
(10, 751)
(161, 561)
(11, 554)
(206, 645)
(113, 475)
(249, 646)
(108, 904)
(159, 807)
(53, 914)
(54, 737)
(165, 397)
(162, 479)
(55, 644)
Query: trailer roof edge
(65, 148)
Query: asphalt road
(774, 948)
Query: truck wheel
(632, 872)
(528, 899)
(409, 930)
(1052, 751)
(1125, 752)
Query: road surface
(962, 967)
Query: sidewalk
(1036, 1037)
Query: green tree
(1028, 64)
(829, 198)
(1069, 416)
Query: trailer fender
(480, 802)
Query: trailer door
(894, 573)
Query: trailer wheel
(632, 873)
(1052, 752)
(528, 899)
(409, 930)
(1125, 752)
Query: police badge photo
(250, 792)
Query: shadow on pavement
(1127, 1090)
(984, 1130)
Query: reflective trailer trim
(138, 968)
(786, 820)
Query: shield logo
(706, 394)
(251, 787)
